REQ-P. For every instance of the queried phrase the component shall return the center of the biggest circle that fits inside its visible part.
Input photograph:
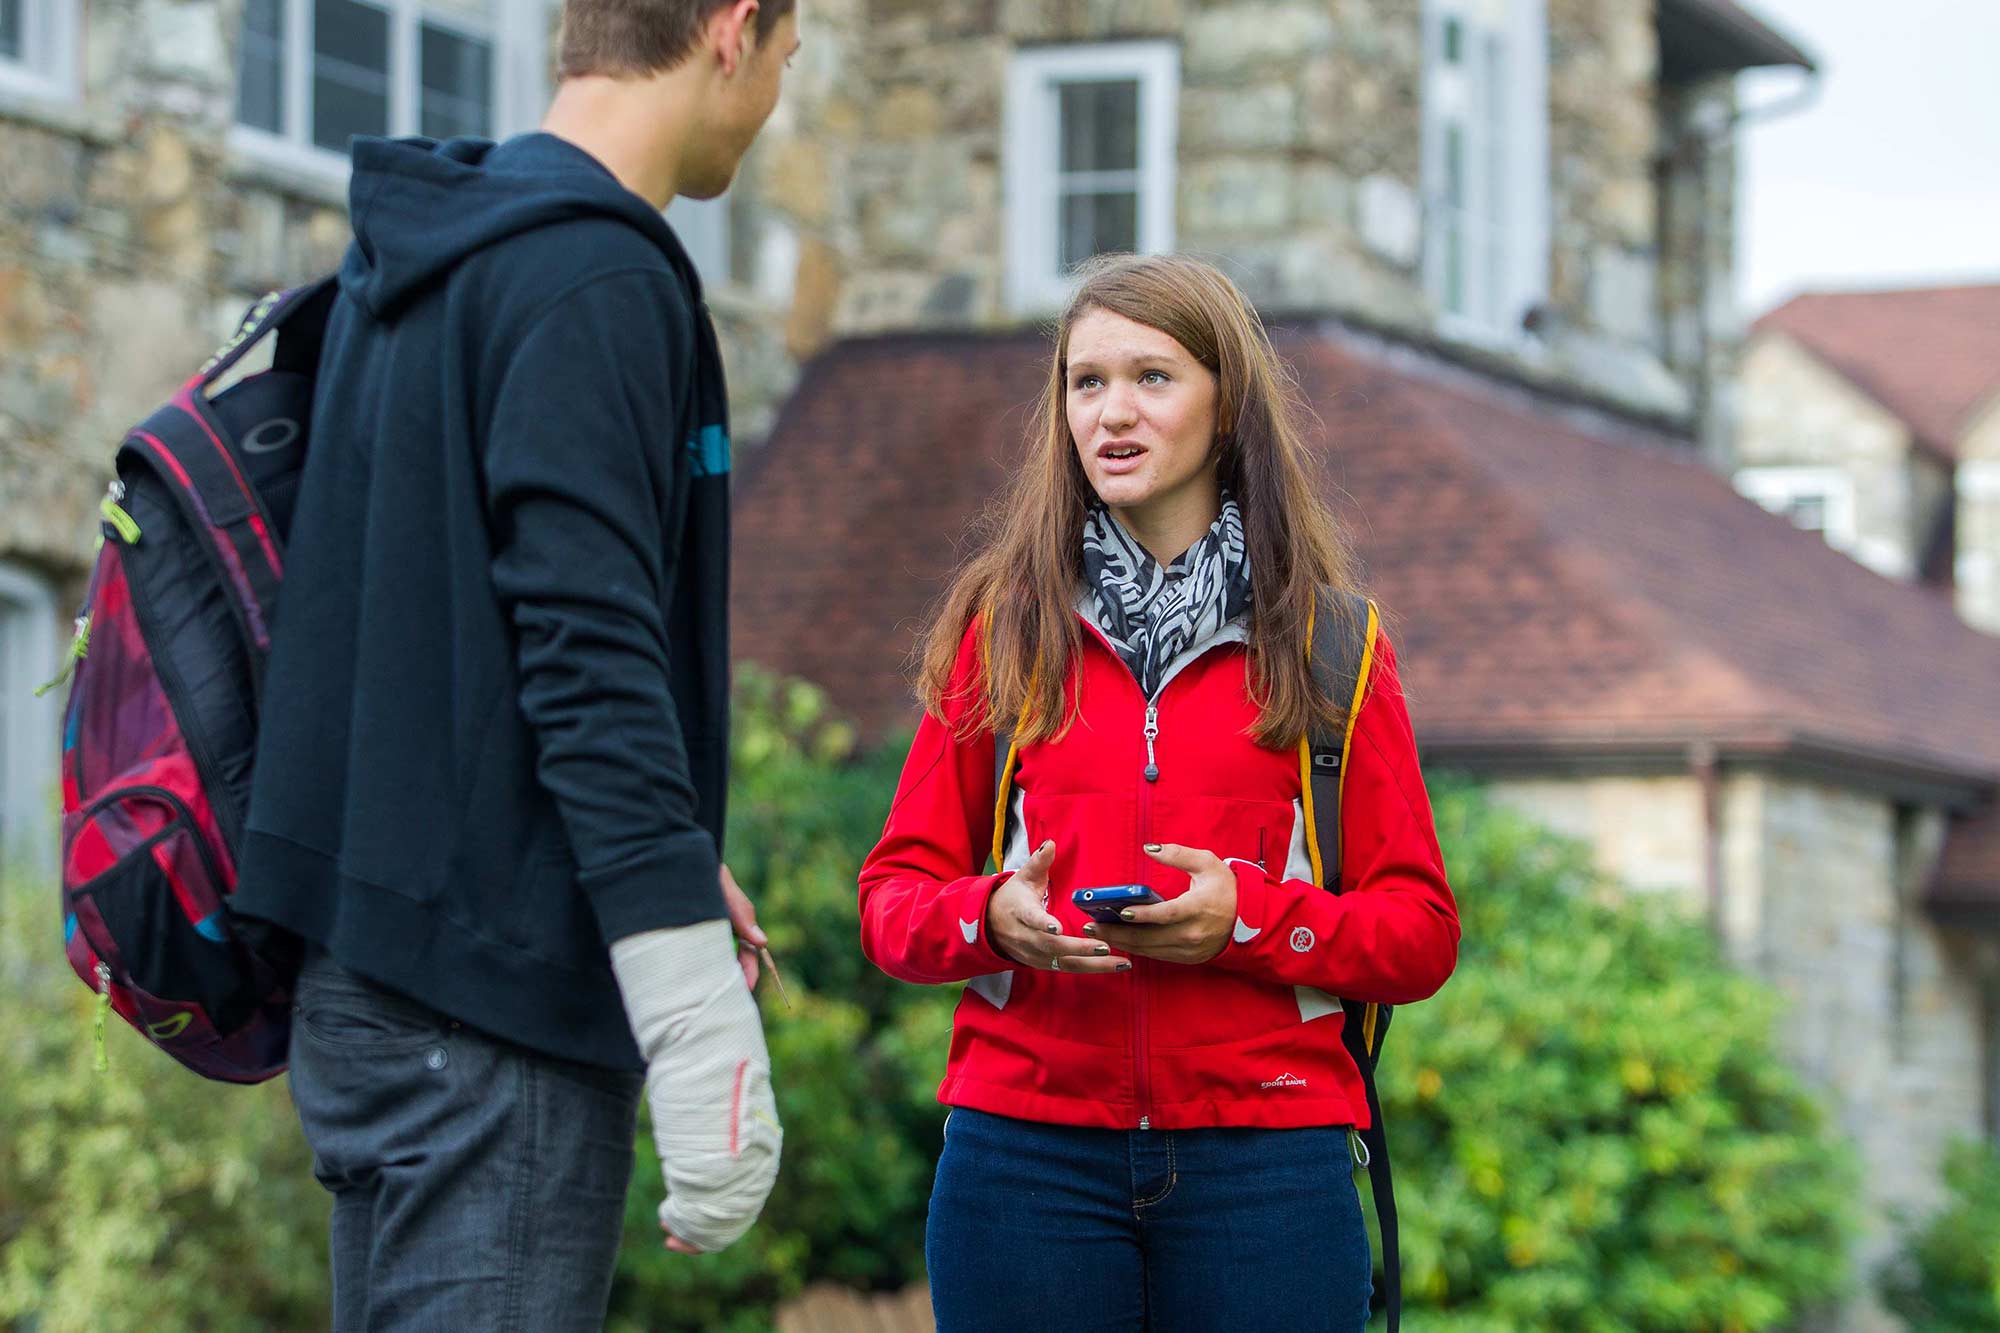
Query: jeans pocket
(345, 1011)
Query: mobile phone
(1106, 903)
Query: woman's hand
(1192, 928)
(1019, 926)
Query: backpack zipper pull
(79, 644)
(1152, 734)
(99, 1061)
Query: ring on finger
(1055, 963)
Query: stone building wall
(1798, 412)
(1645, 832)
(130, 242)
(874, 201)
(1884, 1010)
(1299, 168)
(1820, 890)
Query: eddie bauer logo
(1285, 1081)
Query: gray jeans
(476, 1185)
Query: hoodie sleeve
(1392, 936)
(582, 468)
(923, 902)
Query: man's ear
(734, 30)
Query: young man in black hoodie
(490, 780)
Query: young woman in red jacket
(1149, 1123)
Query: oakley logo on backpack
(269, 437)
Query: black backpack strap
(183, 442)
(1342, 657)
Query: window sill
(42, 105)
(309, 174)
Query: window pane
(1454, 41)
(1094, 223)
(260, 93)
(1454, 219)
(458, 84)
(1807, 511)
(12, 40)
(1100, 126)
(350, 72)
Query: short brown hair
(637, 38)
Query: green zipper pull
(100, 1061)
(114, 514)
(79, 644)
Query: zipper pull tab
(1152, 734)
(79, 644)
(99, 1061)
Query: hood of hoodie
(420, 206)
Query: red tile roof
(1558, 581)
(1931, 356)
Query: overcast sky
(1891, 177)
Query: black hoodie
(495, 728)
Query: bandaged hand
(708, 1079)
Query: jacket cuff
(679, 885)
(1246, 938)
(969, 915)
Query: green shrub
(1948, 1279)
(1594, 1128)
(144, 1197)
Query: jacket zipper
(1142, 1073)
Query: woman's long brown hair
(1027, 564)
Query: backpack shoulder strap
(1342, 657)
(186, 445)
(1006, 754)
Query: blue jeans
(1038, 1226)
(476, 1185)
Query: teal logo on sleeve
(710, 450)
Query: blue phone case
(1104, 904)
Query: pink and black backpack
(162, 721)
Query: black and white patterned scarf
(1152, 615)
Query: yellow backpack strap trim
(1006, 754)
(1003, 788)
(1360, 690)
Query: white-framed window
(1817, 499)
(1088, 159)
(38, 46)
(30, 654)
(1486, 162)
(314, 73)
